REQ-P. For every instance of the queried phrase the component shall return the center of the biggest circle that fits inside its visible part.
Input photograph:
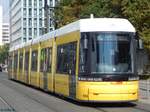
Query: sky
(5, 5)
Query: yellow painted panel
(34, 79)
(41, 80)
(62, 84)
(50, 82)
(20, 75)
(35, 46)
(107, 91)
(47, 43)
(25, 76)
(74, 36)
(23, 69)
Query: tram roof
(85, 25)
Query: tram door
(72, 68)
(45, 53)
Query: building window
(51, 22)
(40, 3)
(30, 38)
(40, 22)
(30, 3)
(24, 22)
(35, 23)
(56, 2)
(24, 32)
(24, 39)
(35, 3)
(24, 11)
(51, 29)
(51, 3)
(30, 22)
(30, 31)
(40, 31)
(35, 12)
(66, 58)
(24, 3)
(35, 32)
(40, 12)
(30, 12)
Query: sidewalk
(146, 101)
(144, 91)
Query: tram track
(123, 108)
(5, 106)
(27, 96)
(100, 107)
(104, 108)
(60, 105)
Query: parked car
(0, 68)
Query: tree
(72, 10)
(69, 11)
(4, 53)
(138, 12)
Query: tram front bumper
(108, 91)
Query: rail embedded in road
(5, 106)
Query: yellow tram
(91, 60)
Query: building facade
(1, 22)
(5, 33)
(27, 20)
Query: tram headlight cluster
(133, 78)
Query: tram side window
(26, 61)
(49, 59)
(42, 58)
(15, 62)
(34, 60)
(10, 63)
(21, 61)
(66, 58)
(46, 59)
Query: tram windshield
(105, 53)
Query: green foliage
(136, 11)
(69, 11)
(144, 77)
(4, 53)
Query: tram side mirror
(140, 44)
(85, 42)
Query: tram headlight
(133, 78)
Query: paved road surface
(26, 99)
